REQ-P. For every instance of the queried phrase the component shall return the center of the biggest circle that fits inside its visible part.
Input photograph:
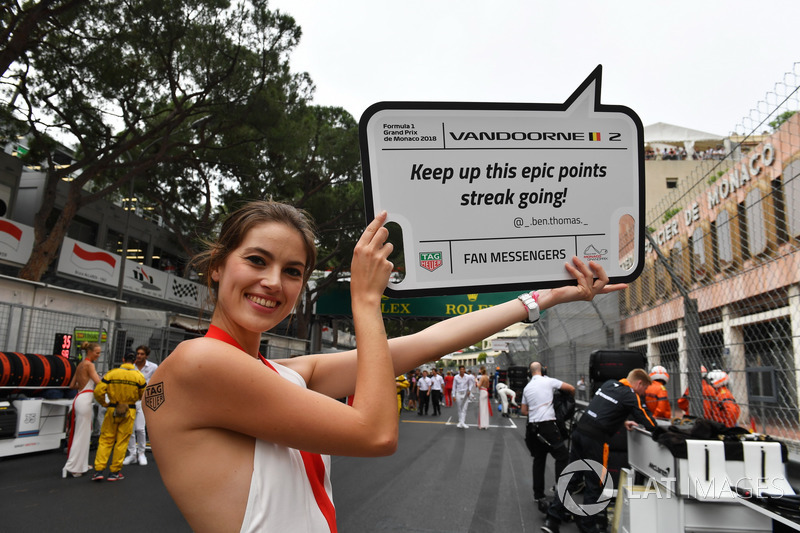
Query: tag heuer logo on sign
(430, 260)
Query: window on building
(137, 250)
(756, 233)
(672, 183)
(113, 242)
(698, 257)
(791, 194)
(83, 230)
(779, 210)
(167, 262)
(677, 261)
(724, 240)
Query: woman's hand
(371, 268)
(592, 280)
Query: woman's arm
(208, 384)
(93, 373)
(329, 373)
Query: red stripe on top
(86, 255)
(11, 229)
(315, 467)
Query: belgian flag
(594, 136)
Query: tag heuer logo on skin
(154, 396)
(430, 260)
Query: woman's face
(94, 355)
(260, 281)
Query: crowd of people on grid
(425, 391)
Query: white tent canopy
(662, 134)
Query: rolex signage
(336, 302)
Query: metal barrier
(26, 329)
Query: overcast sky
(703, 65)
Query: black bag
(564, 406)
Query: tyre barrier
(34, 370)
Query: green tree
(157, 91)
(26, 25)
(783, 117)
(310, 158)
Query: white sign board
(16, 242)
(495, 197)
(88, 262)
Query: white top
(464, 384)
(437, 382)
(281, 498)
(148, 369)
(424, 383)
(538, 396)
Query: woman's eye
(294, 272)
(255, 259)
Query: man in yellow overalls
(118, 391)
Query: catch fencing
(26, 329)
(720, 287)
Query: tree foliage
(780, 119)
(160, 92)
(26, 25)
(311, 160)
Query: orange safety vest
(657, 400)
(727, 409)
(709, 401)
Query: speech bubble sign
(496, 196)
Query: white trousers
(138, 442)
(483, 409)
(506, 395)
(81, 432)
(462, 400)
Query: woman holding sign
(242, 442)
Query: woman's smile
(263, 302)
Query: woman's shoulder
(195, 357)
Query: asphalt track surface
(441, 479)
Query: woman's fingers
(373, 228)
(592, 279)
(371, 268)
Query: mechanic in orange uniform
(656, 396)
(709, 398)
(728, 410)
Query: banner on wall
(94, 264)
(145, 280)
(16, 242)
(88, 262)
(185, 292)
